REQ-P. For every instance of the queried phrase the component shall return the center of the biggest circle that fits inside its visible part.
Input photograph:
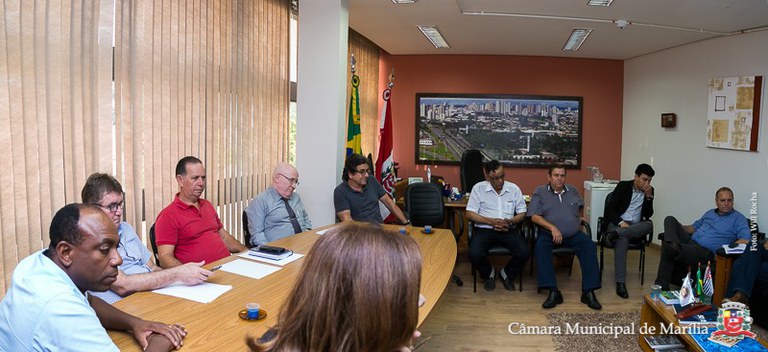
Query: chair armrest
(470, 230)
(722, 274)
(600, 228)
(587, 228)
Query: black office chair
(371, 165)
(635, 244)
(494, 251)
(153, 243)
(424, 204)
(471, 169)
(246, 232)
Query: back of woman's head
(357, 291)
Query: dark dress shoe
(490, 283)
(590, 300)
(555, 298)
(621, 290)
(509, 285)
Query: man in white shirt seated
(47, 307)
(138, 272)
(277, 212)
(497, 208)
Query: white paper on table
(249, 268)
(203, 293)
(293, 257)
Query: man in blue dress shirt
(686, 245)
(277, 212)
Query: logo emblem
(733, 324)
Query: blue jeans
(585, 250)
(748, 269)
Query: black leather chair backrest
(246, 232)
(424, 203)
(604, 224)
(471, 170)
(153, 243)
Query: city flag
(686, 291)
(385, 166)
(353, 129)
(709, 290)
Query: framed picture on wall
(527, 131)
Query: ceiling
(541, 27)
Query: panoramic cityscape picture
(519, 131)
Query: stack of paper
(203, 293)
(280, 262)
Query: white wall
(320, 134)
(687, 172)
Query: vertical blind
(183, 77)
(367, 67)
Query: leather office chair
(471, 169)
(424, 204)
(246, 232)
(371, 165)
(636, 244)
(153, 243)
(494, 251)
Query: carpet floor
(598, 331)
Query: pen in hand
(216, 268)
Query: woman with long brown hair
(358, 291)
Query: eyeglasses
(111, 207)
(364, 171)
(293, 181)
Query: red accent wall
(600, 82)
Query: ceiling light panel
(578, 36)
(408, 1)
(434, 36)
(595, 2)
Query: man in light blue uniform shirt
(138, 272)
(277, 212)
(497, 208)
(47, 307)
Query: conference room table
(216, 326)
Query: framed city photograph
(528, 131)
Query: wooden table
(656, 313)
(216, 327)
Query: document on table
(280, 262)
(249, 269)
(203, 293)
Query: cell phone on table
(271, 250)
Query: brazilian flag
(353, 129)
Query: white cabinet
(594, 202)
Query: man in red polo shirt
(189, 230)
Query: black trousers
(679, 251)
(484, 239)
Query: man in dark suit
(628, 216)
